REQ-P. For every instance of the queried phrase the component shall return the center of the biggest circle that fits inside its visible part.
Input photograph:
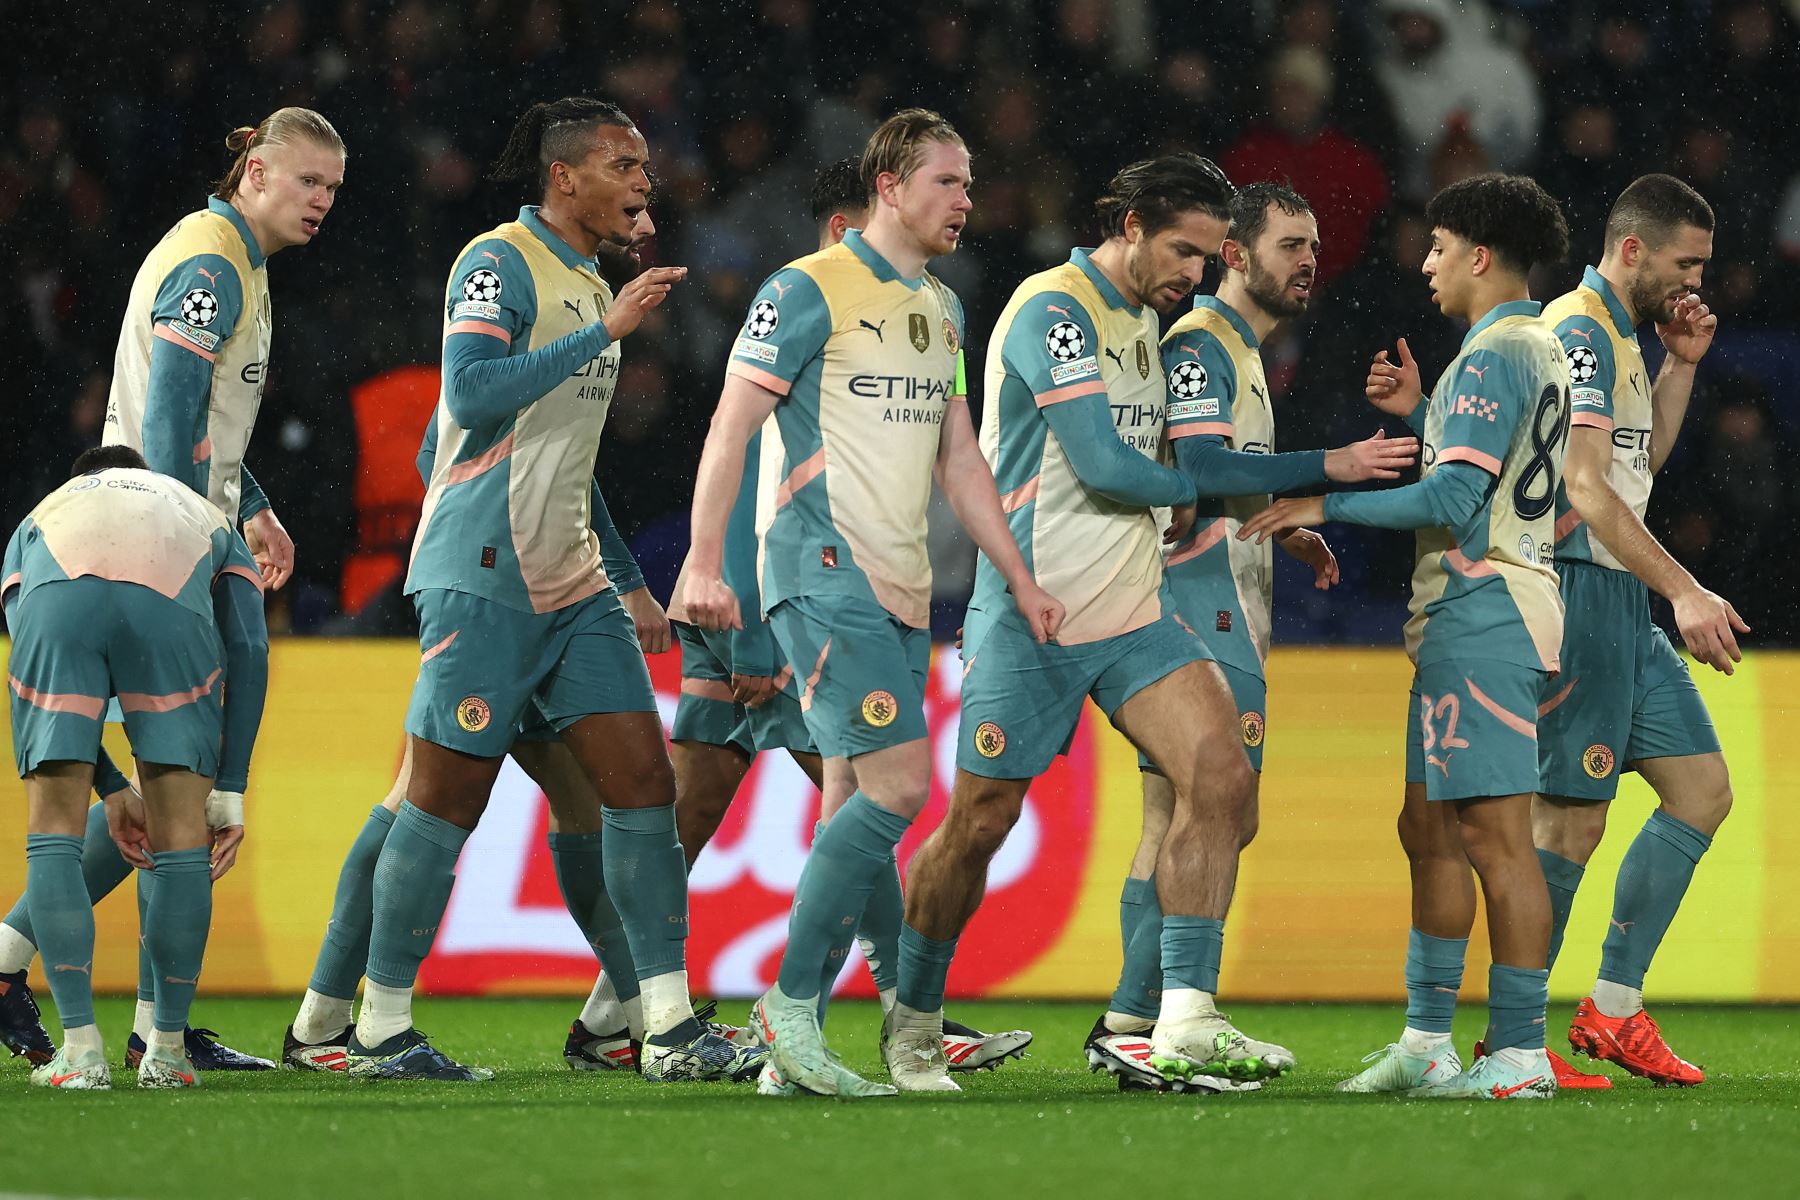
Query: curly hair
(1509, 214)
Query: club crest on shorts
(473, 713)
(990, 740)
(880, 708)
(1597, 761)
(1250, 724)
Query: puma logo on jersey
(1586, 335)
(1190, 350)
(781, 289)
(212, 277)
(492, 255)
(1059, 311)
(1118, 357)
(874, 329)
(573, 306)
(1478, 372)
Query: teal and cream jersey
(130, 526)
(188, 373)
(1487, 589)
(1609, 390)
(1068, 334)
(1224, 587)
(529, 373)
(865, 361)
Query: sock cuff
(1137, 891)
(870, 828)
(1684, 838)
(659, 818)
(183, 862)
(52, 845)
(915, 941)
(576, 843)
(1526, 976)
(436, 830)
(1560, 872)
(1436, 952)
(1194, 924)
(381, 813)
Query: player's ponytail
(550, 133)
(282, 127)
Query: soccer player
(1625, 701)
(515, 609)
(865, 424)
(737, 699)
(1484, 635)
(1222, 428)
(187, 384)
(124, 582)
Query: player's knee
(1704, 805)
(1248, 823)
(1421, 835)
(981, 818)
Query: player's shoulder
(1578, 303)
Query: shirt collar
(224, 209)
(528, 217)
(1512, 308)
(1082, 257)
(871, 258)
(1230, 314)
(1594, 281)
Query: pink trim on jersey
(758, 376)
(12, 581)
(1209, 537)
(486, 461)
(246, 572)
(69, 702)
(1566, 524)
(783, 676)
(1215, 428)
(1469, 454)
(1549, 706)
(145, 702)
(1464, 565)
(487, 328)
(175, 339)
(1596, 420)
(202, 450)
(799, 477)
(439, 648)
(706, 689)
(1020, 496)
(1512, 720)
(812, 681)
(1073, 391)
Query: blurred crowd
(114, 127)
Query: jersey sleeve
(1592, 370)
(491, 292)
(196, 307)
(1487, 404)
(10, 565)
(198, 304)
(786, 328)
(426, 458)
(1052, 347)
(251, 499)
(231, 556)
(1202, 386)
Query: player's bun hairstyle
(1250, 209)
(897, 146)
(1509, 214)
(282, 127)
(1159, 190)
(551, 133)
(102, 458)
(1655, 208)
(839, 189)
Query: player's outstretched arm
(743, 407)
(238, 609)
(1448, 497)
(1687, 337)
(1395, 388)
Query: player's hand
(271, 547)
(1689, 333)
(1282, 517)
(1042, 611)
(1394, 388)
(225, 818)
(1181, 523)
(225, 843)
(638, 297)
(710, 602)
(752, 691)
(959, 631)
(1311, 549)
(1707, 622)
(648, 618)
(1379, 457)
(126, 826)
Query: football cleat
(1633, 1042)
(1568, 1075)
(770, 1083)
(1397, 1071)
(1211, 1046)
(160, 1069)
(1499, 1076)
(737, 1035)
(407, 1055)
(1125, 1055)
(85, 1072)
(206, 1052)
(914, 1053)
(21, 1025)
(971, 1050)
(790, 1029)
(692, 1053)
(327, 1055)
(585, 1050)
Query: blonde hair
(282, 127)
(897, 147)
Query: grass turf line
(1046, 1122)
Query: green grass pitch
(1043, 1126)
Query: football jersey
(1487, 588)
(204, 290)
(1065, 334)
(132, 526)
(842, 497)
(1224, 587)
(507, 513)
(1609, 390)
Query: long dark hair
(553, 132)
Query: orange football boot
(1633, 1042)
